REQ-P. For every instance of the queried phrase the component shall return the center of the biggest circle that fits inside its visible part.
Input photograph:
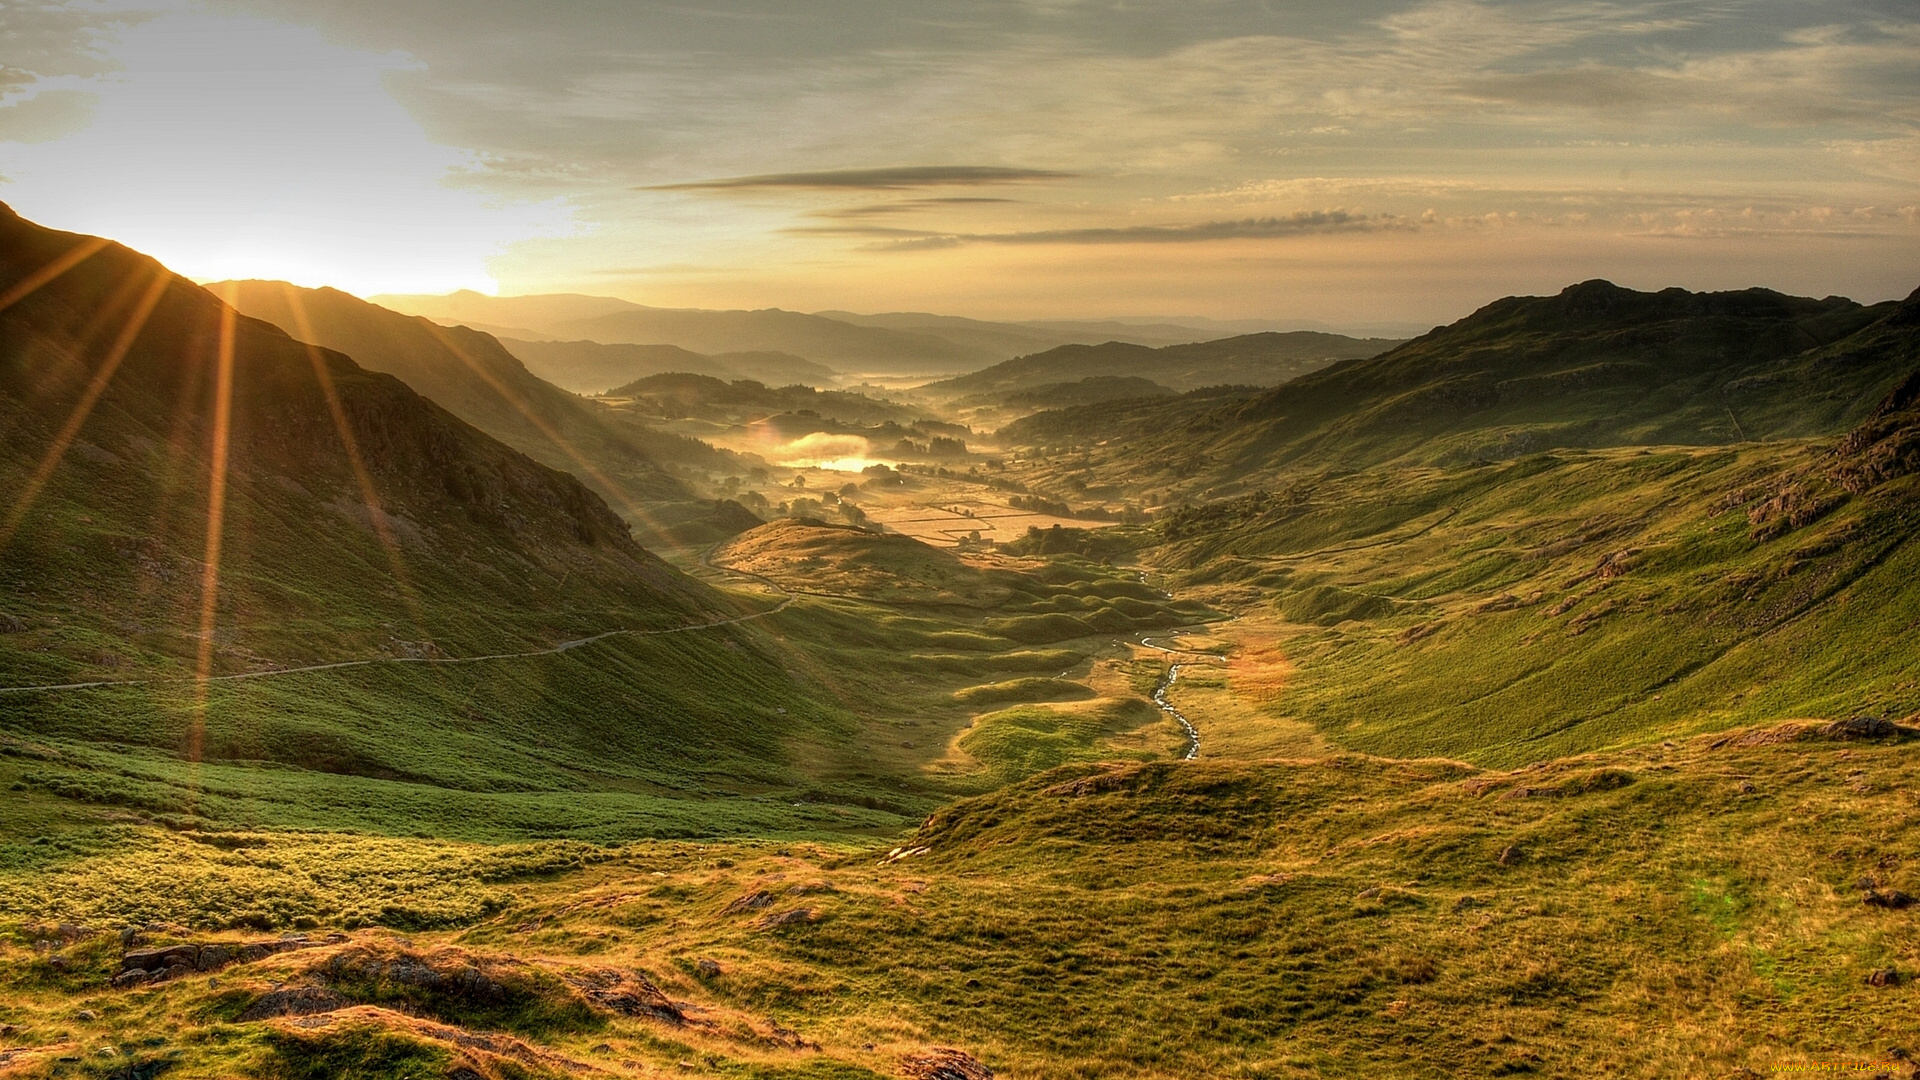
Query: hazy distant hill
(537, 314)
(841, 346)
(474, 377)
(1251, 359)
(838, 345)
(899, 342)
(589, 367)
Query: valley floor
(973, 844)
(1727, 903)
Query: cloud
(895, 178)
(1303, 223)
(904, 206)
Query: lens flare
(216, 525)
(143, 309)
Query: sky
(1349, 163)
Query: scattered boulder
(1883, 977)
(787, 1038)
(752, 901)
(707, 969)
(1509, 855)
(944, 1063)
(293, 1001)
(1747, 788)
(139, 966)
(1861, 727)
(628, 993)
(1890, 898)
(788, 918)
(12, 624)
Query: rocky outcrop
(139, 967)
(628, 993)
(944, 1063)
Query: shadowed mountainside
(137, 398)
(473, 376)
(1593, 366)
(374, 591)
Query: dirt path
(269, 673)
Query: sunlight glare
(264, 151)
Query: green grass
(1568, 602)
(1689, 909)
(1028, 739)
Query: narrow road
(560, 648)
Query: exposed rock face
(294, 1001)
(1861, 727)
(628, 993)
(945, 1063)
(752, 901)
(141, 966)
(796, 917)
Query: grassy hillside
(1594, 366)
(473, 376)
(1544, 725)
(1251, 359)
(1723, 907)
(319, 599)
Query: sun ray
(506, 394)
(216, 525)
(303, 329)
(48, 378)
(66, 261)
(136, 321)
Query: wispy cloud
(893, 178)
(1307, 222)
(904, 206)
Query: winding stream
(1166, 684)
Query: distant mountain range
(893, 343)
(589, 367)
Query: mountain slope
(1595, 365)
(473, 376)
(1250, 359)
(192, 493)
